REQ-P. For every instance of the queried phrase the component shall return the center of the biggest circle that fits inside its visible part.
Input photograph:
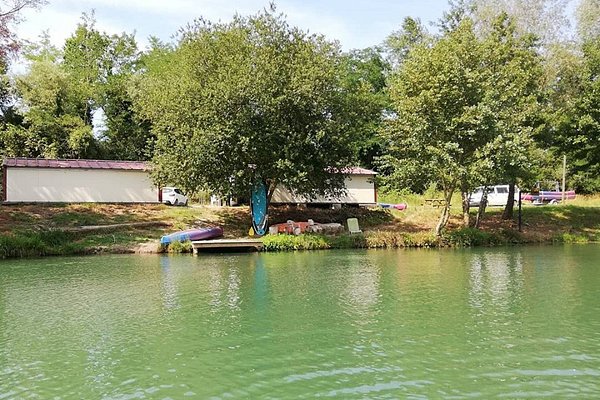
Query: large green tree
(577, 127)
(53, 126)
(10, 118)
(253, 99)
(441, 118)
(64, 91)
(364, 73)
(102, 65)
(464, 108)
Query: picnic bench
(435, 202)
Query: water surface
(483, 323)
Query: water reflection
(496, 280)
(261, 285)
(360, 292)
(478, 323)
(169, 284)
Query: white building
(360, 190)
(36, 180)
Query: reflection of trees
(496, 279)
(360, 293)
(169, 285)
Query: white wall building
(36, 180)
(360, 189)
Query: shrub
(180, 247)
(35, 244)
(467, 237)
(356, 241)
(571, 238)
(291, 242)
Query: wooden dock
(226, 244)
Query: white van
(496, 195)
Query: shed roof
(113, 164)
(82, 164)
(359, 171)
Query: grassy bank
(63, 229)
(40, 230)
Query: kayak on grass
(193, 234)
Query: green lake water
(455, 324)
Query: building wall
(360, 190)
(72, 185)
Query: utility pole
(564, 178)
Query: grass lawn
(34, 229)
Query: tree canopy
(251, 99)
(463, 109)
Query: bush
(180, 247)
(571, 238)
(356, 241)
(371, 240)
(467, 237)
(36, 244)
(291, 242)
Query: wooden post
(564, 177)
(520, 213)
(4, 185)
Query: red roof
(85, 164)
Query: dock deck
(225, 244)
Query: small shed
(37, 180)
(360, 190)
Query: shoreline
(88, 229)
(304, 242)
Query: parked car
(496, 195)
(174, 196)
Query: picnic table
(435, 202)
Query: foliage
(399, 43)
(458, 11)
(545, 19)
(467, 237)
(290, 242)
(579, 126)
(573, 238)
(251, 99)
(35, 244)
(588, 17)
(63, 89)
(10, 16)
(441, 121)
(364, 79)
(180, 247)
(464, 110)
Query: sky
(355, 23)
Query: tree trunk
(510, 203)
(482, 206)
(465, 205)
(445, 214)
